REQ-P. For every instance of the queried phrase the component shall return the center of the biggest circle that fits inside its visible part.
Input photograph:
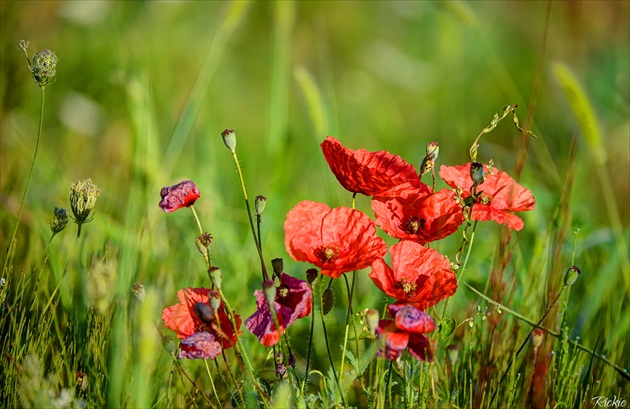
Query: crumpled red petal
(365, 172)
(183, 194)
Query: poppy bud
(229, 139)
(260, 203)
(215, 276)
(311, 276)
(278, 266)
(204, 312)
(371, 320)
(433, 148)
(453, 353)
(537, 337)
(269, 288)
(571, 275)
(328, 300)
(215, 300)
(59, 221)
(137, 289)
(477, 173)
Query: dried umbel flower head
(83, 195)
(137, 289)
(43, 67)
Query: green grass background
(143, 90)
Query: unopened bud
(537, 337)
(477, 173)
(204, 312)
(215, 300)
(371, 320)
(83, 195)
(433, 149)
(328, 300)
(453, 353)
(572, 275)
(137, 289)
(215, 276)
(269, 288)
(311, 276)
(43, 67)
(260, 203)
(59, 221)
(229, 139)
(278, 266)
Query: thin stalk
(330, 358)
(249, 215)
(192, 209)
(214, 390)
(308, 355)
(28, 179)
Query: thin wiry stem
(28, 179)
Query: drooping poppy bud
(371, 320)
(477, 173)
(278, 266)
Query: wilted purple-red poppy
(182, 318)
(500, 196)
(420, 276)
(183, 194)
(408, 213)
(369, 173)
(200, 345)
(293, 301)
(337, 240)
(406, 332)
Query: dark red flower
(420, 276)
(408, 213)
(500, 195)
(293, 301)
(183, 194)
(200, 345)
(182, 318)
(337, 240)
(406, 332)
(369, 173)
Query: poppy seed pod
(215, 300)
(229, 139)
(260, 203)
(278, 266)
(215, 276)
(433, 149)
(537, 337)
(571, 275)
(453, 353)
(371, 320)
(311, 275)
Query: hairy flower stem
(332, 363)
(232, 377)
(249, 216)
(214, 390)
(192, 209)
(28, 179)
(308, 355)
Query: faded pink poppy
(183, 194)
(407, 331)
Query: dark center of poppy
(327, 253)
(282, 292)
(414, 224)
(408, 287)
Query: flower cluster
(340, 240)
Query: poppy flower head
(336, 240)
(183, 194)
(365, 172)
(420, 276)
(293, 300)
(408, 213)
(499, 195)
(188, 317)
(200, 345)
(406, 332)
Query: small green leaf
(447, 326)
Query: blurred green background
(143, 90)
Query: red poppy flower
(293, 301)
(337, 240)
(183, 194)
(366, 172)
(408, 213)
(406, 332)
(420, 276)
(500, 196)
(182, 318)
(200, 345)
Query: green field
(141, 94)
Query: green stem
(28, 179)
(192, 209)
(249, 215)
(214, 390)
(330, 358)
